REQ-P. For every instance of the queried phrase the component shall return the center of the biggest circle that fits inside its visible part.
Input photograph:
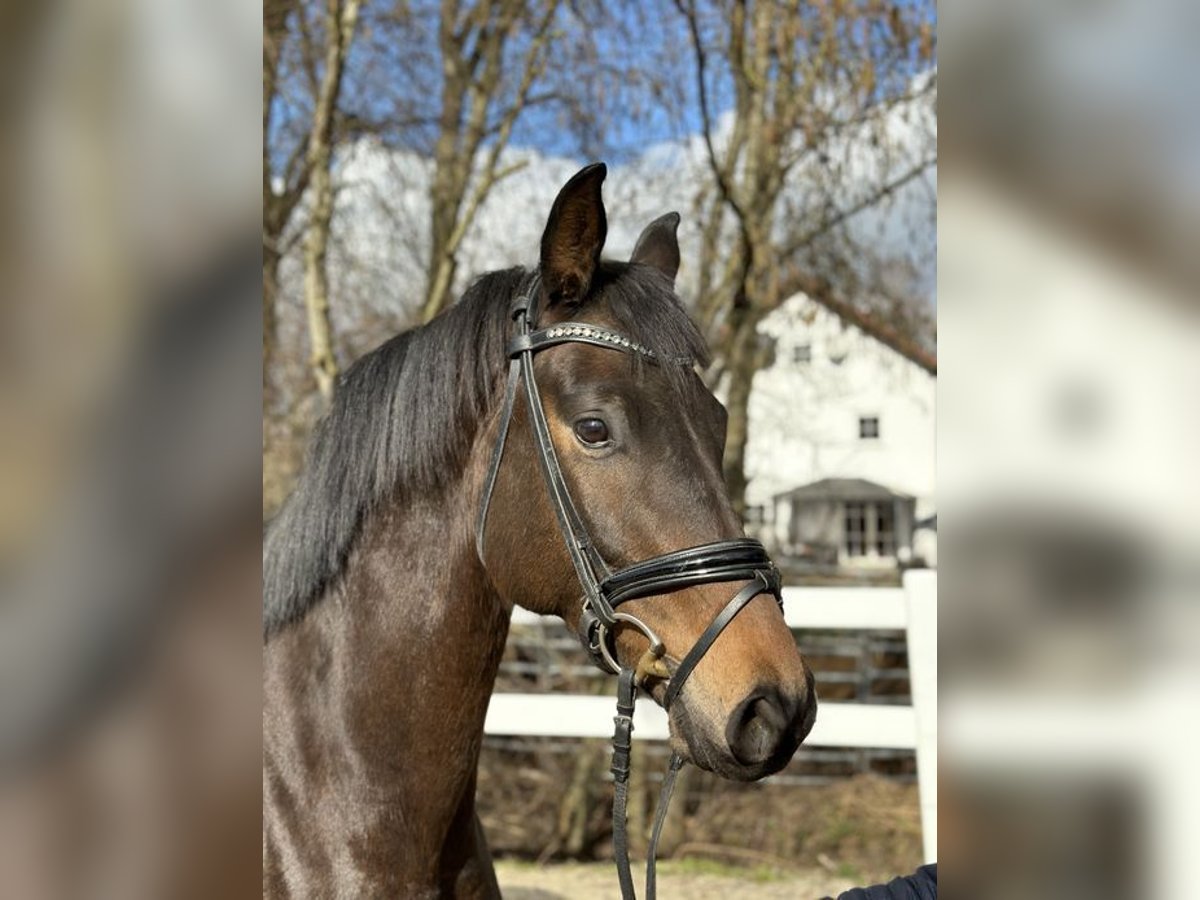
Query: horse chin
(726, 767)
(690, 739)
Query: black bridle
(604, 590)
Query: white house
(840, 455)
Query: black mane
(405, 415)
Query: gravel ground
(598, 881)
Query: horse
(433, 502)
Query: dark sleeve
(921, 885)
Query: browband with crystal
(575, 333)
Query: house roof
(885, 334)
(843, 489)
(821, 293)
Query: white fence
(912, 608)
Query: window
(868, 427)
(755, 515)
(885, 529)
(869, 529)
(856, 529)
(802, 353)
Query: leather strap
(728, 552)
(664, 803)
(622, 745)
(679, 677)
(589, 565)
(520, 307)
(510, 397)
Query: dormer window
(838, 348)
(802, 353)
(868, 428)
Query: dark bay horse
(385, 621)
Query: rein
(739, 559)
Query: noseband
(604, 590)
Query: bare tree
(482, 95)
(341, 17)
(805, 82)
(277, 204)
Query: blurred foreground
(1068, 436)
(129, 452)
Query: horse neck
(430, 627)
(404, 656)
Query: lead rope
(664, 802)
(622, 743)
(622, 746)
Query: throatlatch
(739, 559)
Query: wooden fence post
(920, 590)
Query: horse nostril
(757, 728)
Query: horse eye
(591, 431)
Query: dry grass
(865, 828)
(598, 881)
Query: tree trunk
(442, 267)
(449, 174)
(341, 18)
(472, 87)
(737, 404)
(574, 811)
(275, 23)
(744, 359)
(269, 315)
(316, 287)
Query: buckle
(589, 636)
(610, 658)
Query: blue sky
(386, 67)
(633, 48)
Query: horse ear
(574, 236)
(658, 245)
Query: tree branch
(838, 218)
(723, 185)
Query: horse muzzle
(757, 737)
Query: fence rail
(911, 608)
(583, 716)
